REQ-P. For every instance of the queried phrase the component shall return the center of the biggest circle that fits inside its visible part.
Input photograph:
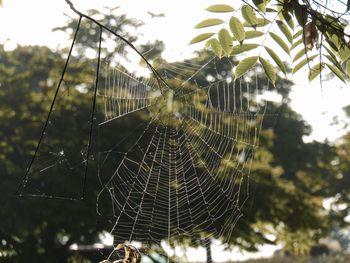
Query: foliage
(341, 202)
(308, 32)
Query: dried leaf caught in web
(131, 255)
(311, 36)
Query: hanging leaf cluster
(305, 36)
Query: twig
(159, 78)
(25, 177)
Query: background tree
(286, 172)
(280, 182)
(32, 229)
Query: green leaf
(301, 53)
(298, 34)
(216, 47)
(280, 9)
(242, 48)
(201, 37)
(295, 44)
(270, 71)
(302, 63)
(249, 15)
(209, 22)
(330, 52)
(336, 71)
(225, 40)
(285, 30)
(315, 71)
(337, 25)
(348, 68)
(260, 4)
(253, 34)
(237, 29)
(220, 8)
(260, 23)
(333, 59)
(280, 42)
(300, 14)
(290, 23)
(277, 60)
(270, 10)
(283, 9)
(0, 2)
(344, 53)
(333, 40)
(335, 63)
(244, 65)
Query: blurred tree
(290, 177)
(26, 226)
(37, 230)
(89, 32)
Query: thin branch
(317, 16)
(25, 177)
(92, 113)
(159, 78)
(327, 8)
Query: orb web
(184, 175)
(171, 149)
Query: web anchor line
(92, 112)
(25, 177)
(159, 78)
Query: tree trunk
(208, 249)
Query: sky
(29, 22)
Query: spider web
(181, 173)
(183, 176)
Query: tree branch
(159, 78)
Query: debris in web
(131, 255)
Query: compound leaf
(220, 8)
(244, 65)
(209, 22)
(270, 71)
(201, 37)
(237, 29)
